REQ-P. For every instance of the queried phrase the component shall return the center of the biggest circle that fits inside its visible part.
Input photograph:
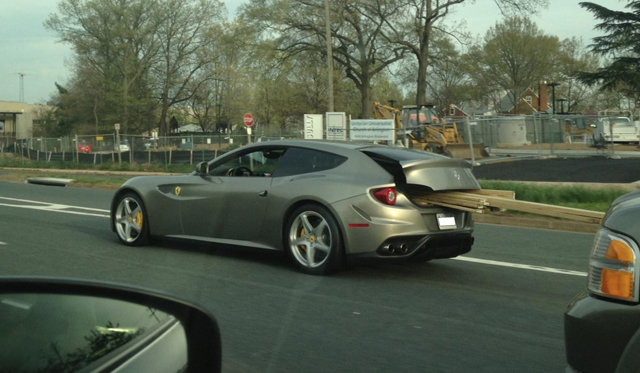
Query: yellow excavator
(423, 130)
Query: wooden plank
(495, 193)
(464, 197)
(456, 207)
(450, 201)
(540, 208)
(482, 202)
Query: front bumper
(597, 332)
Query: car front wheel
(313, 240)
(130, 220)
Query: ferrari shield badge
(178, 190)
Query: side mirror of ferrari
(202, 168)
(50, 325)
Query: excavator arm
(381, 111)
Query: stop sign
(248, 119)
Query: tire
(325, 240)
(131, 220)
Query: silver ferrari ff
(325, 204)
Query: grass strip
(568, 196)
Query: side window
(299, 161)
(261, 163)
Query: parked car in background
(602, 324)
(624, 130)
(124, 146)
(83, 147)
(150, 143)
(322, 203)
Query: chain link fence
(494, 132)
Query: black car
(602, 324)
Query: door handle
(263, 193)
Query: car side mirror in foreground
(57, 325)
(202, 168)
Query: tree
(298, 26)
(116, 38)
(186, 38)
(573, 58)
(449, 82)
(57, 121)
(414, 26)
(621, 45)
(516, 55)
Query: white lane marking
(54, 207)
(522, 266)
(3, 243)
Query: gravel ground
(582, 170)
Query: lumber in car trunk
(486, 201)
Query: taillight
(385, 195)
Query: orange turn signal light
(617, 283)
(620, 251)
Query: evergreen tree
(620, 45)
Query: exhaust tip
(389, 249)
(403, 249)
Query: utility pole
(553, 86)
(329, 54)
(21, 93)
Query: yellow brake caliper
(139, 219)
(302, 233)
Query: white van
(624, 130)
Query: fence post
(470, 136)
(611, 134)
(149, 155)
(537, 136)
(165, 159)
(170, 156)
(77, 151)
(551, 146)
(37, 155)
(191, 154)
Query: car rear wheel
(130, 220)
(313, 240)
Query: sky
(30, 49)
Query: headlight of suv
(613, 266)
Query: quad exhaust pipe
(391, 249)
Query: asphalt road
(442, 316)
(583, 170)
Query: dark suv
(602, 324)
